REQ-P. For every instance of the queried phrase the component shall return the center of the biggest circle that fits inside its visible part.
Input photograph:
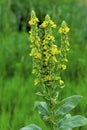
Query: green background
(17, 90)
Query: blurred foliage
(16, 81)
(14, 52)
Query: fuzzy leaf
(69, 104)
(31, 127)
(43, 109)
(64, 129)
(70, 122)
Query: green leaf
(64, 129)
(69, 122)
(31, 127)
(39, 94)
(43, 109)
(68, 104)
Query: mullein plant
(49, 61)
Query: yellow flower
(47, 78)
(65, 60)
(33, 71)
(30, 32)
(33, 21)
(64, 30)
(46, 55)
(36, 81)
(62, 66)
(61, 82)
(37, 42)
(45, 42)
(50, 38)
(52, 24)
(44, 24)
(35, 53)
(54, 50)
(67, 49)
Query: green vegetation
(16, 81)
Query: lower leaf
(69, 122)
(31, 127)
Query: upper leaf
(70, 122)
(31, 127)
(43, 109)
(68, 104)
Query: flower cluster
(35, 47)
(33, 21)
(48, 59)
(49, 52)
(46, 23)
(63, 30)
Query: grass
(18, 100)
(17, 97)
(16, 103)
